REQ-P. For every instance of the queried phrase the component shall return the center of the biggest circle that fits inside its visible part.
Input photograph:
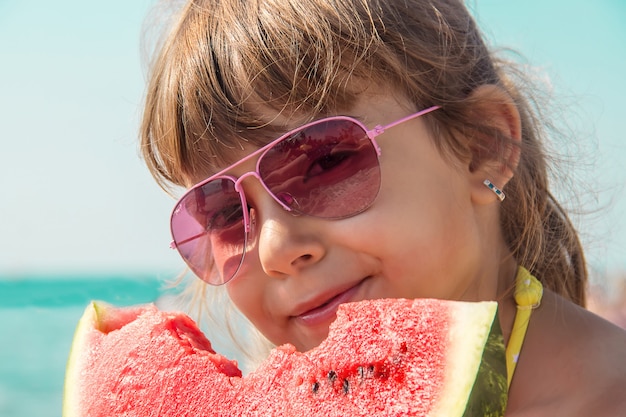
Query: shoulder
(608, 401)
(599, 353)
(573, 363)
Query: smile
(325, 311)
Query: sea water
(38, 316)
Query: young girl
(341, 150)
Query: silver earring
(495, 189)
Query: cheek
(250, 292)
(249, 299)
(246, 297)
(424, 230)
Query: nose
(287, 244)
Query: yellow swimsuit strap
(528, 293)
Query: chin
(312, 341)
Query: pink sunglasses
(327, 168)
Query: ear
(494, 157)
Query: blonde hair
(226, 59)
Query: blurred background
(81, 218)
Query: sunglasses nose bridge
(239, 180)
(240, 190)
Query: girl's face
(429, 234)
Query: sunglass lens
(209, 232)
(328, 170)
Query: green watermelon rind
(82, 335)
(456, 388)
(489, 396)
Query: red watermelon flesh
(382, 357)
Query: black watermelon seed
(315, 387)
(332, 376)
(346, 386)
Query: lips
(323, 309)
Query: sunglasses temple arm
(380, 129)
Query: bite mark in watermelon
(382, 357)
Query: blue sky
(76, 197)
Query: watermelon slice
(382, 357)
